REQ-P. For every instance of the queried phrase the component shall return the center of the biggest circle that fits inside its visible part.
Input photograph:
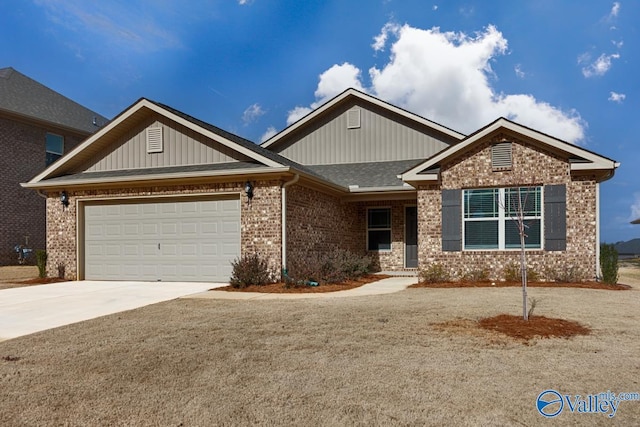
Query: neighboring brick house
(160, 195)
(37, 126)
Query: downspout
(598, 272)
(284, 221)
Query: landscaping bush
(569, 274)
(41, 261)
(476, 275)
(435, 273)
(512, 273)
(250, 270)
(333, 267)
(609, 263)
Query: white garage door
(172, 240)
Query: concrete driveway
(32, 309)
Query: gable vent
(501, 156)
(353, 118)
(154, 140)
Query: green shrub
(477, 275)
(569, 274)
(512, 273)
(250, 270)
(435, 273)
(41, 261)
(609, 263)
(333, 267)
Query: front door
(411, 237)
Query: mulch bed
(280, 288)
(536, 327)
(499, 284)
(42, 281)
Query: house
(636, 221)
(159, 195)
(37, 126)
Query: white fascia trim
(352, 92)
(144, 103)
(154, 177)
(595, 162)
(379, 189)
(214, 136)
(65, 159)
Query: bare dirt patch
(18, 272)
(281, 288)
(504, 284)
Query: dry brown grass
(378, 360)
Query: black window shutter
(555, 217)
(451, 220)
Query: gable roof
(261, 160)
(582, 159)
(27, 98)
(636, 221)
(348, 95)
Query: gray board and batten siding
(180, 147)
(341, 138)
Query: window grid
(490, 221)
(379, 229)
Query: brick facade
(260, 220)
(531, 166)
(318, 222)
(23, 211)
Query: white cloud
(252, 113)
(599, 67)
(435, 7)
(618, 44)
(271, 131)
(617, 97)
(380, 41)
(333, 81)
(446, 77)
(519, 72)
(615, 10)
(244, 2)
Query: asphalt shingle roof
(22, 95)
(374, 174)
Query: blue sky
(567, 68)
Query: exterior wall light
(248, 188)
(64, 199)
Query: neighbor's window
(54, 148)
(379, 229)
(489, 216)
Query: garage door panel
(193, 240)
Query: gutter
(295, 179)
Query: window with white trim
(54, 148)
(379, 229)
(490, 218)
